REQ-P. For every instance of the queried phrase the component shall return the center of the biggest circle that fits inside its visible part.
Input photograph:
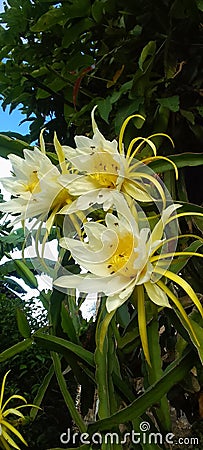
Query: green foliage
(145, 58)
(172, 375)
(58, 60)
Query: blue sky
(10, 122)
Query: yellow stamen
(104, 169)
(122, 254)
(63, 198)
(105, 179)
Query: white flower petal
(90, 253)
(114, 301)
(84, 283)
(80, 185)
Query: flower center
(33, 183)
(122, 258)
(105, 180)
(63, 198)
(104, 169)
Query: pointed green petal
(13, 430)
(2, 388)
(184, 285)
(9, 440)
(156, 294)
(11, 398)
(142, 322)
(13, 411)
(4, 442)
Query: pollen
(105, 180)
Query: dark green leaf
(79, 8)
(66, 394)
(181, 160)
(147, 55)
(188, 115)
(200, 108)
(9, 145)
(180, 262)
(171, 103)
(172, 375)
(18, 268)
(97, 10)
(67, 324)
(182, 9)
(105, 107)
(72, 33)
(15, 349)
(49, 19)
(25, 273)
(41, 392)
(190, 208)
(61, 345)
(199, 4)
(23, 324)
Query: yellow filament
(144, 140)
(183, 284)
(182, 215)
(168, 255)
(122, 130)
(164, 135)
(174, 238)
(148, 160)
(155, 182)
